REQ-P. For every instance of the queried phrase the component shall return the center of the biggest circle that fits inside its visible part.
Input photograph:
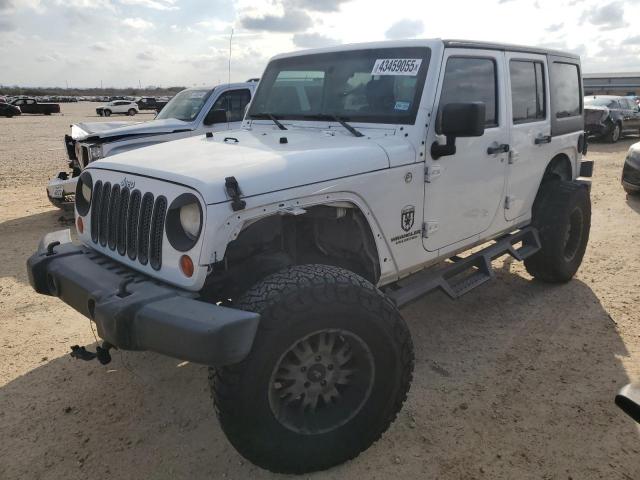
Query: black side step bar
(465, 274)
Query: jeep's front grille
(128, 222)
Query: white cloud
(405, 28)
(313, 40)
(153, 4)
(137, 23)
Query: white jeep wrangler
(193, 111)
(280, 253)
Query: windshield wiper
(335, 118)
(270, 117)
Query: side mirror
(215, 116)
(458, 120)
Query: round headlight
(96, 152)
(190, 219)
(184, 222)
(84, 189)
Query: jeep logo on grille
(127, 183)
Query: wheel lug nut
(303, 369)
(323, 383)
(318, 358)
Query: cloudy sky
(185, 42)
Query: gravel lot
(515, 380)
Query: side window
(234, 102)
(527, 91)
(470, 79)
(30, 102)
(566, 89)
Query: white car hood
(104, 130)
(259, 161)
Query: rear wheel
(562, 215)
(329, 369)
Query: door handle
(502, 148)
(542, 139)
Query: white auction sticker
(396, 66)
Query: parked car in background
(191, 112)
(609, 117)
(3, 100)
(31, 105)
(124, 107)
(151, 103)
(631, 170)
(7, 110)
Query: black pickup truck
(31, 105)
(151, 103)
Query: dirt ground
(515, 380)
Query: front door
(234, 103)
(464, 192)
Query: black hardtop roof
(508, 47)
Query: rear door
(464, 191)
(528, 115)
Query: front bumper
(62, 190)
(134, 312)
(631, 177)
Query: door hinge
(429, 229)
(432, 172)
(508, 202)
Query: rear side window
(566, 89)
(527, 91)
(470, 79)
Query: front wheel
(329, 370)
(562, 215)
(131, 112)
(614, 134)
(107, 113)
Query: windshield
(374, 86)
(185, 105)
(599, 102)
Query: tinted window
(375, 85)
(626, 103)
(566, 89)
(233, 102)
(527, 91)
(471, 80)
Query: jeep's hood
(104, 130)
(257, 159)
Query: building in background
(627, 83)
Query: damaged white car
(193, 111)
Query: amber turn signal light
(186, 265)
(80, 225)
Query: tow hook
(101, 353)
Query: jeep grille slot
(144, 226)
(132, 224)
(121, 241)
(129, 222)
(103, 214)
(97, 196)
(114, 213)
(157, 231)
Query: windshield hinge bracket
(432, 172)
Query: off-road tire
(106, 113)
(131, 112)
(631, 191)
(562, 215)
(615, 134)
(293, 304)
